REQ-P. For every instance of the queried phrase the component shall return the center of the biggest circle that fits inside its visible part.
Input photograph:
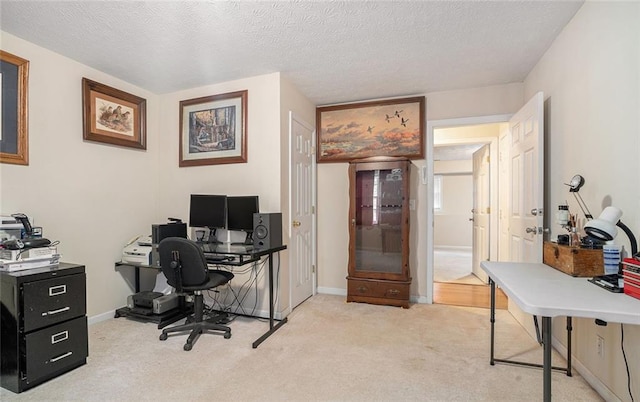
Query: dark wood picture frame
(112, 116)
(383, 128)
(14, 132)
(213, 129)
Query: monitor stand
(248, 240)
(212, 239)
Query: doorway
(467, 198)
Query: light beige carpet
(328, 351)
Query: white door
(527, 180)
(481, 210)
(301, 206)
(503, 194)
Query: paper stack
(30, 263)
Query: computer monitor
(240, 210)
(208, 211)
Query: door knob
(536, 211)
(296, 224)
(533, 230)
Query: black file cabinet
(44, 324)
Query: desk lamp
(604, 228)
(575, 184)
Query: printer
(138, 251)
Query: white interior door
(481, 210)
(527, 180)
(302, 208)
(504, 181)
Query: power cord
(624, 355)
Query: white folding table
(539, 289)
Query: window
(437, 192)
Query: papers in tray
(30, 263)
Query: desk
(242, 255)
(539, 289)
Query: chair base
(196, 328)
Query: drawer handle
(51, 312)
(55, 359)
(362, 289)
(394, 291)
(59, 337)
(57, 290)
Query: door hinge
(313, 209)
(488, 159)
(313, 269)
(488, 210)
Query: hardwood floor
(457, 294)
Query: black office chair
(183, 263)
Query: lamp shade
(604, 228)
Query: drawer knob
(362, 289)
(394, 292)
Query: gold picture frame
(14, 130)
(213, 129)
(383, 128)
(112, 116)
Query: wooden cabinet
(379, 233)
(44, 324)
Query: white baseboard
(101, 317)
(453, 248)
(589, 377)
(332, 291)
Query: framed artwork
(14, 133)
(393, 127)
(112, 116)
(213, 129)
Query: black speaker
(267, 230)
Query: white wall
(91, 197)
(261, 175)
(452, 226)
(591, 81)
(333, 186)
(94, 197)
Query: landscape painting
(393, 127)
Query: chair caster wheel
(187, 346)
(227, 335)
(163, 336)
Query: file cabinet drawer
(56, 348)
(54, 300)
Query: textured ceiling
(331, 51)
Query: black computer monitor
(208, 211)
(240, 210)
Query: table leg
(569, 328)
(272, 327)
(137, 278)
(546, 365)
(492, 318)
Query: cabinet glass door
(378, 221)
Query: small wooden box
(572, 260)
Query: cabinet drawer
(379, 289)
(54, 349)
(53, 300)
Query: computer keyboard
(213, 257)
